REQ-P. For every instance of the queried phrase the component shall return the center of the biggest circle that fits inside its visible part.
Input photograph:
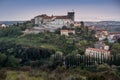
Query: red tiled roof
(97, 49)
(61, 17)
(48, 17)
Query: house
(112, 37)
(67, 32)
(101, 34)
(90, 28)
(64, 32)
(3, 26)
(101, 45)
(97, 53)
(55, 21)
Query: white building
(54, 21)
(97, 53)
(66, 32)
(3, 26)
(60, 21)
(36, 30)
(39, 19)
(112, 37)
(101, 34)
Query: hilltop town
(60, 44)
(68, 26)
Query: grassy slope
(19, 75)
(32, 40)
(36, 41)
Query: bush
(21, 77)
(10, 32)
(25, 68)
(3, 74)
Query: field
(20, 75)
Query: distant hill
(105, 23)
(10, 22)
(112, 26)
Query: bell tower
(71, 15)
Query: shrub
(3, 74)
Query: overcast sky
(85, 10)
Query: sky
(85, 10)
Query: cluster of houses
(100, 49)
(102, 34)
(51, 23)
(112, 37)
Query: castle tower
(71, 15)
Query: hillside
(111, 26)
(10, 22)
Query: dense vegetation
(63, 56)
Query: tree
(64, 27)
(3, 74)
(82, 26)
(118, 40)
(115, 48)
(11, 62)
(82, 44)
(10, 32)
(58, 59)
(2, 59)
(73, 60)
(57, 31)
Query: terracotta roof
(48, 17)
(94, 49)
(61, 17)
